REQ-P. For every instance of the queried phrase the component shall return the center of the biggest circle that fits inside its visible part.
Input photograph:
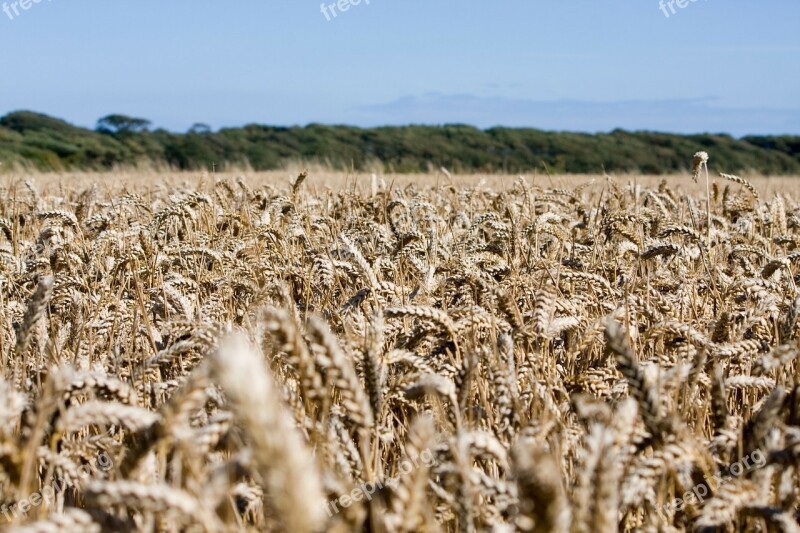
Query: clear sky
(590, 65)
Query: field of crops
(186, 353)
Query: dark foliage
(46, 143)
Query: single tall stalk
(700, 161)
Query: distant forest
(34, 141)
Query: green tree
(119, 124)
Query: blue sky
(589, 65)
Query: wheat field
(439, 353)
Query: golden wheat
(233, 355)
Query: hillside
(37, 141)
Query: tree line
(37, 141)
